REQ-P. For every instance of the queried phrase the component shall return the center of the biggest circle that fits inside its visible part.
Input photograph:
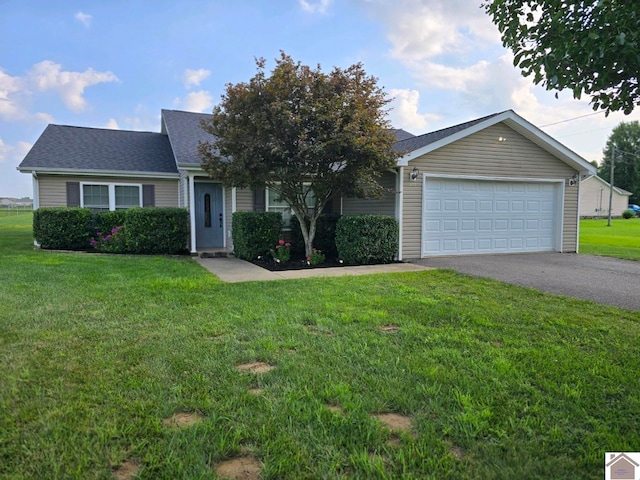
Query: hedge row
(254, 233)
(367, 239)
(356, 240)
(135, 230)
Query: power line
(571, 119)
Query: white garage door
(486, 216)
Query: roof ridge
(103, 128)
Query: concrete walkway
(234, 270)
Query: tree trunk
(308, 234)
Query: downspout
(192, 213)
(578, 219)
(36, 190)
(400, 208)
(36, 197)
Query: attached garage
(496, 184)
(475, 215)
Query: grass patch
(621, 239)
(14, 211)
(97, 351)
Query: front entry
(209, 218)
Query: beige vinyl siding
(379, 206)
(594, 199)
(53, 188)
(244, 200)
(183, 188)
(480, 154)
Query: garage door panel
(482, 216)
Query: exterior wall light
(502, 139)
(414, 174)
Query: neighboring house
(594, 198)
(496, 184)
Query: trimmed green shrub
(63, 228)
(254, 233)
(106, 221)
(325, 239)
(367, 239)
(628, 214)
(109, 231)
(156, 231)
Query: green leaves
(588, 47)
(301, 126)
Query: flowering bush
(316, 257)
(282, 252)
(111, 242)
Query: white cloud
(10, 88)
(13, 153)
(200, 101)
(318, 6)
(48, 75)
(192, 78)
(84, 19)
(404, 113)
(112, 124)
(422, 29)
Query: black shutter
(73, 194)
(148, 195)
(258, 200)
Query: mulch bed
(299, 264)
(296, 264)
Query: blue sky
(116, 64)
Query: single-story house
(594, 198)
(496, 184)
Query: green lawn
(621, 239)
(10, 212)
(499, 381)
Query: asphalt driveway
(605, 280)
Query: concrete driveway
(605, 280)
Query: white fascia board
(97, 173)
(520, 125)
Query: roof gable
(81, 149)
(619, 191)
(185, 134)
(423, 144)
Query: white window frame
(112, 192)
(279, 207)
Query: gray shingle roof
(401, 134)
(86, 149)
(413, 143)
(185, 133)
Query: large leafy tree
(588, 46)
(303, 133)
(624, 141)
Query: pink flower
(107, 238)
(287, 244)
(280, 242)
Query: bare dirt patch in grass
(255, 367)
(456, 451)
(256, 391)
(395, 422)
(240, 468)
(126, 470)
(335, 409)
(389, 328)
(182, 419)
(319, 331)
(394, 441)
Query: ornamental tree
(303, 133)
(587, 46)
